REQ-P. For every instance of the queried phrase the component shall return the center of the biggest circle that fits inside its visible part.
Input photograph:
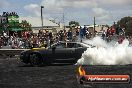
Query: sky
(83, 11)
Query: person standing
(103, 34)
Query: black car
(61, 52)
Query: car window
(70, 45)
(73, 45)
(59, 45)
(78, 45)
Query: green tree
(25, 25)
(126, 23)
(73, 23)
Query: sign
(13, 19)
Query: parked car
(61, 52)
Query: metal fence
(5, 53)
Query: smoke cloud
(106, 53)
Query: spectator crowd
(30, 40)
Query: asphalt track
(14, 74)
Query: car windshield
(58, 45)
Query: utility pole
(42, 15)
(64, 20)
(94, 28)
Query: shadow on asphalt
(66, 64)
(56, 64)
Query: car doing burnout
(61, 52)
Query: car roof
(82, 43)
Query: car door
(58, 51)
(79, 50)
(70, 51)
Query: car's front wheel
(35, 59)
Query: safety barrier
(11, 52)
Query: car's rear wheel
(35, 59)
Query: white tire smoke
(106, 53)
